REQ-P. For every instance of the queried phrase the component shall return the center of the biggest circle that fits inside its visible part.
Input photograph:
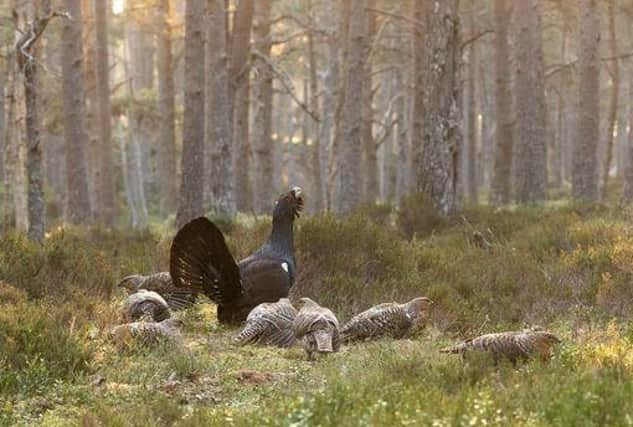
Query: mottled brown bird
(146, 305)
(390, 319)
(270, 323)
(318, 328)
(161, 283)
(513, 345)
(147, 333)
(201, 262)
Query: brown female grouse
(201, 262)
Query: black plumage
(201, 261)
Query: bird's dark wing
(201, 261)
(264, 279)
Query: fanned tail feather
(180, 299)
(201, 262)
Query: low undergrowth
(567, 268)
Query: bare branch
(286, 82)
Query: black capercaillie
(200, 261)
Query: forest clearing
(568, 268)
(316, 212)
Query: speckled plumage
(391, 319)
(147, 305)
(514, 345)
(318, 328)
(269, 324)
(161, 283)
(147, 333)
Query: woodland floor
(566, 267)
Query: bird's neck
(281, 237)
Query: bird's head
(418, 308)
(289, 205)
(130, 283)
(305, 302)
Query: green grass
(567, 267)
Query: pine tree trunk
(613, 102)
(531, 148)
(262, 114)
(557, 157)
(370, 172)
(349, 184)
(418, 104)
(78, 201)
(90, 91)
(104, 175)
(584, 173)
(470, 157)
(502, 168)
(9, 165)
(142, 124)
(316, 199)
(331, 91)
(239, 72)
(3, 125)
(167, 178)
(441, 138)
(219, 113)
(402, 139)
(35, 186)
(127, 185)
(192, 181)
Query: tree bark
(584, 173)
(531, 122)
(262, 114)
(316, 200)
(502, 169)
(9, 157)
(402, 139)
(418, 104)
(104, 175)
(470, 157)
(441, 138)
(78, 201)
(331, 91)
(239, 72)
(613, 102)
(219, 113)
(370, 190)
(90, 92)
(349, 183)
(192, 182)
(167, 179)
(3, 124)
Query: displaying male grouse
(201, 262)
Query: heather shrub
(417, 217)
(39, 344)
